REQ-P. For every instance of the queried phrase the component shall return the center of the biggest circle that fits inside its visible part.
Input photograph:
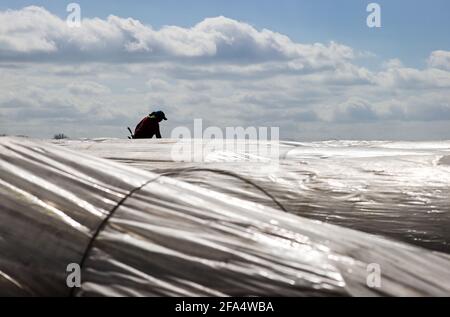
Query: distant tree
(60, 136)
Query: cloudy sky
(312, 68)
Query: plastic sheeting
(395, 189)
(164, 228)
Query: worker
(149, 126)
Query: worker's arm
(158, 133)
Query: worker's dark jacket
(147, 128)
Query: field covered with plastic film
(338, 218)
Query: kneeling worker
(149, 126)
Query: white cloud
(30, 30)
(104, 76)
(410, 78)
(35, 34)
(88, 88)
(354, 110)
(440, 59)
(393, 64)
(156, 84)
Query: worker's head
(159, 115)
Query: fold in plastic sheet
(167, 237)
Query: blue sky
(312, 68)
(411, 29)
